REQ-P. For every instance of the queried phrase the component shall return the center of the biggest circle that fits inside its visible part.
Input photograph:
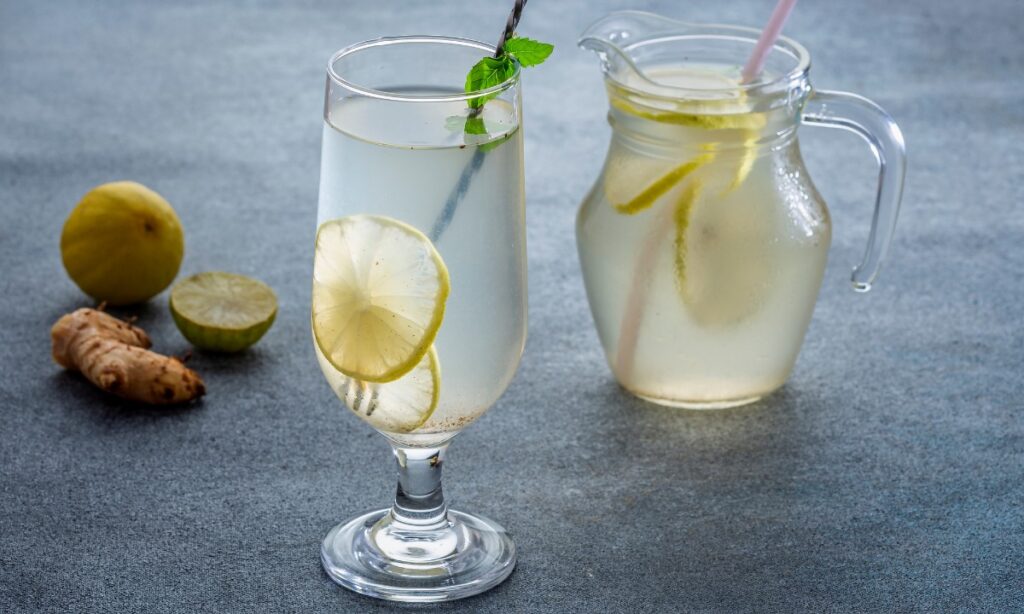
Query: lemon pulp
(399, 406)
(379, 291)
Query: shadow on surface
(140, 314)
(245, 363)
(709, 503)
(107, 407)
(705, 501)
(760, 425)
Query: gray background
(886, 475)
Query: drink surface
(404, 161)
(702, 244)
(694, 77)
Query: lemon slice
(400, 406)
(626, 172)
(723, 266)
(630, 171)
(746, 161)
(223, 312)
(379, 291)
(720, 261)
(720, 116)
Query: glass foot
(379, 557)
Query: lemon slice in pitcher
(400, 406)
(379, 292)
(632, 183)
(724, 265)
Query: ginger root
(114, 356)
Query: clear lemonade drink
(404, 163)
(702, 254)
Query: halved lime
(223, 312)
(379, 291)
(400, 406)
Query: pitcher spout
(610, 36)
(620, 28)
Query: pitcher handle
(860, 115)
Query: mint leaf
(529, 52)
(487, 73)
(475, 125)
(490, 71)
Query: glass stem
(419, 500)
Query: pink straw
(768, 37)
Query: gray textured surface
(887, 475)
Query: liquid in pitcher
(703, 243)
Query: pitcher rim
(784, 44)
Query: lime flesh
(222, 312)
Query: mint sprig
(487, 73)
(491, 71)
(529, 52)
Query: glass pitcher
(703, 241)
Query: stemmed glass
(419, 296)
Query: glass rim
(417, 39)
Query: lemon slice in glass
(222, 312)
(400, 406)
(379, 291)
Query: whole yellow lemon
(123, 243)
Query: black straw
(510, 26)
(462, 185)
